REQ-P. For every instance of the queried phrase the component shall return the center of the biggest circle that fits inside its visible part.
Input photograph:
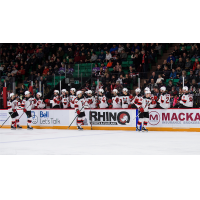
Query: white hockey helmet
(163, 88)
(148, 92)
(11, 95)
(39, 93)
(101, 90)
(125, 90)
(56, 91)
(27, 92)
(78, 92)
(64, 90)
(73, 89)
(89, 92)
(137, 90)
(185, 88)
(115, 91)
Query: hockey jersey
(94, 102)
(152, 105)
(65, 101)
(146, 102)
(187, 100)
(125, 101)
(39, 103)
(72, 99)
(56, 100)
(12, 104)
(79, 104)
(103, 102)
(164, 100)
(116, 102)
(27, 103)
(137, 100)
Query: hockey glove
(14, 110)
(130, 97)
(141, 109)
(90, 101)
(155, 98)
(136, 100)
(110, 101)
(25, 110)
(110, 106)
(129, 106)
(78, 112)
(117, 100)
(47, 101)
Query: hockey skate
(80, 128)
(13, 128)
(29, 128)
(144, 129)
(137, 129)
(18, 126)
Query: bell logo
(154, 118)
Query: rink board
(111, 119)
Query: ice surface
(72, 142)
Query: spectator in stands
(183, 76)
(46, 69)
(14, 71)
(101, 73)
(188, 64)
(166, 73)
(120, 79)
(136, 60)
(39, 69)
(126, 81)
(77, 58)
(101, 57)
(158, 48)
(153, 77)
(159, 70)
(56, 69)
(118, 86)
(113, 86)
(180, 63)
(83, 57)
(171, 57)
(176, 52)
(114, 72)
(128, 49)
(164, 64)
(117, 66)
(108, 56)
(62, 69)
(93, 58)
(173, 74)
(172, 65)
(120, 72)
(135, 47)
(195, 64)
(21, 71)
(152, 84)
(60, 52)
(95, 70)
(191, 76)
(159, 79)
(113, 49)
(182, 51)
(106, 78)
(193, 86)
(93, 87)
(169, 86)
(70, 69)
(110, 63)
(184, 57)
(197, 70)
(113, 78)
(192, 52)
(178, 72)
(123, 55)
(107, 91)
(120, 48)
(88, 57)
(132, 74)
(103, 66)
(198, 79)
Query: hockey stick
(6, 120)
(90, 117)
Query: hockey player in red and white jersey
(153, 98)
(102, 100)
(116, 100)
(39, 101)
(12, 110)
(186, 99)
(164, 99)
(91, 101)
(79, 109)
(144, 111)
(26, 105)
(72, 97)
(64, 98)
(125, 98)
(56, 99)
(136, 102)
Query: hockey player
(56, 99)
(72, 97)
(90, 100)
(164, 99)
(144, 112)
(12, 110)
(116, 100)
(137, 101)
(39, 101)
(27, 105)
(125, 98)
(64, 98)
(186, 99)
(79, 109)
(102, 100)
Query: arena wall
(111, 119)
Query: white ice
(74, 142)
